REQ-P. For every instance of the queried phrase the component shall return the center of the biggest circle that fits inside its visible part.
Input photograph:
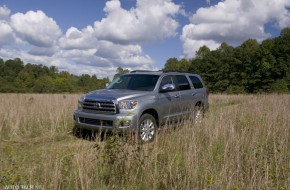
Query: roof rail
(145, 71)
(176, 71)
(166, 71)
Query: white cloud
(113, 41)
(6, 34)
(233, 21)
(61, 62)
(4, 13)
(151, 20)
(76, 39)
(43, 51)
(36, 28)
(123, 55)
(97, 49)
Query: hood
(113, 94)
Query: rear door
(198, 90)
(185, 91)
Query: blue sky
(97, 36)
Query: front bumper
(106, 122)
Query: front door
(169, 101)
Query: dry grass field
(242, 143)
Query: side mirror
(167, 88)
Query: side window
(196, 82)
(166, 80)
(182, 82)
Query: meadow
(243, 142)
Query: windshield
(135, 82)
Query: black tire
(82, 133)
(147, 128)
(77, 131)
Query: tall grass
(242, 143)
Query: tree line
(248, 68)
(30, 78)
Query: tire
(198, 113)
(81, 133)
(77, 131)
(147, 128)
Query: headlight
(80, 102)
(127, 104)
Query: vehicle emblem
(98, 105)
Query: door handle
(176, 96)
(193, 94)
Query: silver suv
(142, 101)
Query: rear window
(196, 82)
(182, 82)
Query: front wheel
(147, 128)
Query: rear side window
(182, 82)
(196, 82)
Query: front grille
(106, 123)
(99, 106)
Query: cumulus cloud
(98, 49)
(61, 62)
(76, 39)
(6, 34)
(36, 28)
(124, 55)
(150, 20)
(233, 21)
(115, 40)
(43, 51)
(4, 13)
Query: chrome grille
(99, 106)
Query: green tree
(279, 86)
(25, 81)
(2, 65)
(183, 65)
(171, 64)
(281, 51)
(44, 84)
(12, 68)
(246, 54)
(63, 82)
(52, 71)
(120, 71)
(84, 81)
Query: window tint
(182, 82)
(196, 82)
(167, 80)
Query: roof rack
(144, 71)
(176, 71)
(166, 71)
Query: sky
(97, 36)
